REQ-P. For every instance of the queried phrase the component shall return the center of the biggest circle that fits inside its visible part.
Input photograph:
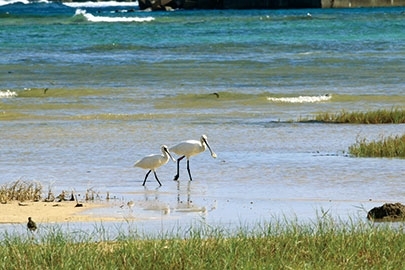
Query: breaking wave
(26, 2)
(100, 4)
(91, 18)
(7, 94)
(73, 4)
(301, 99)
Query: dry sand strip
(49, 212)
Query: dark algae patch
(387, 212)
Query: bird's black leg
(157, 179)
(146, 176)
(188, 169)
(176, 177)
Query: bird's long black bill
(209, 148)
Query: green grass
(390, 147)
(393, 116)
(323, 244)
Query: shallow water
(83, 100)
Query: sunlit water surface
(87, 96)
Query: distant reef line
(255, 4)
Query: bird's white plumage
(152, 162)
(191, 148)
(188, 149)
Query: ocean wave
(91, 18)
(73, 4)
(7, 94)
(26, 2)
(301, 99)
(100, 4)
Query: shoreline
(15, 212)
(50, 212)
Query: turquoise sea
(87, 89)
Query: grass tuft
(390, 147)
(20, 191)
(393, 116)
(32, 191)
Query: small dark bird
(31, 225)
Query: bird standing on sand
(31, 225)
(188, 149)
(152, 162)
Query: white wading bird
(152, 162)
(188, 149)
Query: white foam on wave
(91, 18)
(301, 99)
(75, 4)
(100, 4)
(7, 94)
(26, 2)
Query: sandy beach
(49, 212)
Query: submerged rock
(387, 212)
